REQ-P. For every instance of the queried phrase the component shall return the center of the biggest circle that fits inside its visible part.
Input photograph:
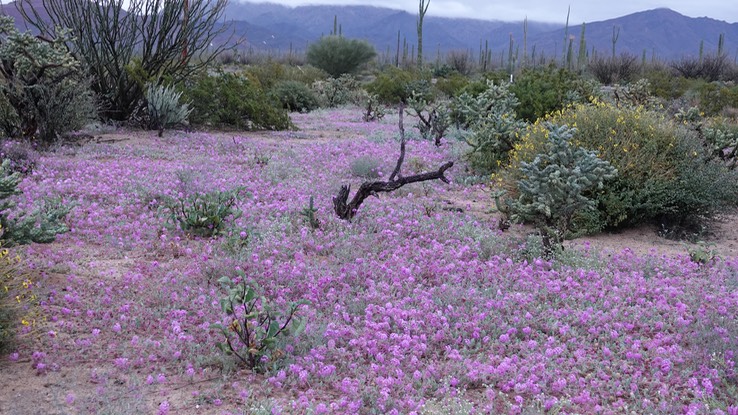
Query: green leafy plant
(543, 90)
(703, 253)
(203, 214)
(234, 101)
(338, 55)
(554, 186)
(394, 85)
(164, 107)
(295, 96)
(257, 326)
(21, 228)
(309, 213)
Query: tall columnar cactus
(422, 10)
(555, 186)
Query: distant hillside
(662, 33)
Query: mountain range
(660, 33)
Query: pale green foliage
(20, 228)
(490, 124)
(338, 55)
(164, 107)
(333, 92)
(722, 137)
(257, 325)
(42, 84)
(554, 186)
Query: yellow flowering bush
(664, 175)
(17, 299)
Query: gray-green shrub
(164, 107)
(295, 96)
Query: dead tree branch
(346, 210)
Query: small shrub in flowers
(257, 324)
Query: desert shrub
(295, 96)
(460, 61)
(164, 108)
(366, 167)
(202, 214)
(621, 69)
(664, 175)
(234, 101)
(710, 67)
(255, 325)
(452, 84)
(20, 228)
(394, 85)
(554, 187)
(333, 92)
(433, 119)
(714, 97)
(338, 55)
(17, 299)
(636, 94)
(543, 90)
(21, 155)
(665, 83)
(44, 94)
(721, 135)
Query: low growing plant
(20, 228)
(257, 325)
(203, 214)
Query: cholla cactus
(164, 108)
(555, 184)
(490, 123)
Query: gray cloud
(545, 10)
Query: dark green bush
(295, 96)
(395, 85)
(453, 84)
(338, 55)
(716, 96)
(543, 90)
(665, 83)
(333, 92)
(228, 100)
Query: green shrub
(333, 92)
(234, 101)
(21, 228)
(395, 85)
(716, 96)
(295, 96)
(553, 188)
(338, 55)
(203, 214)
(257, 325)
(44, 94)
(721, 136)
(164, 107)
(665, 83)
(544, 90)
(452, 85)
(664, 175)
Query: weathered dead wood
(346, 210)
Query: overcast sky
(546, 10)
